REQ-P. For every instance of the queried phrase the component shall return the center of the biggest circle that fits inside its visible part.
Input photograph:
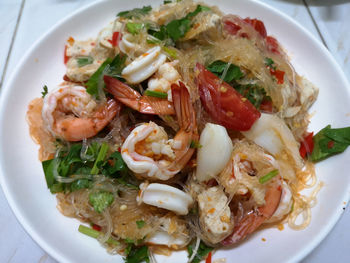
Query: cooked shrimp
(69, 112)
(249, 223)
(147, 150)
(241, 177)
(133, 99)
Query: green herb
(100, 158)
(137, 254)
(83, 61)
(233, 72)
(269, 63)
(80, 184)
(202, 252)
(267, 177)
(94, 160)
(199, 9)
(136, 12)
(255, 94)
(177, 28)
(140, 224)
(111, 67)
(123, 182)
(329, 142)
(171, 52)
(95, 234)
(44, 92)
(101, 200)
(63, 165)
(167, 2)
(114, 165)
(134, 28)
(195, 145)
(157, 94)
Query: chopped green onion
(195, 144)
(171, 52)
(100, 157)
(157, 94)
(83, 61)
(134, 28)
(95, 234)
(268, 176)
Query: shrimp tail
(252, 221)
(133, 99)
(187, 121)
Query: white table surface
(23, 21)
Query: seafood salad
(180, 127)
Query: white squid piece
(271, 133)
(215, 152)
(166, 197)
(144, 66)
(126, 44)
(164, 78)
(215, 214)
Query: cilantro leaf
(140, 224)
(178, 28)
(137, 254)
(101, 200)
(83, 61)
(199, 9)
(269, 62)
(136, 12)
(111, 67)
(328, 142)
(44, 92)
(233, 72)
(202, 252)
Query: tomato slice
(257, 25)
(223, 103)
(272, 44)
(307, 145)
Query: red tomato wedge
(223, 103)
(258, 25)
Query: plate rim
(5, 93)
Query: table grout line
(12, 43)
(315, 24)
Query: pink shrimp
(133, 99)
(139, 148)
(70, 113)
(253, 220)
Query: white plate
(23, 181)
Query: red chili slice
(307, 145)
(115, 39)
